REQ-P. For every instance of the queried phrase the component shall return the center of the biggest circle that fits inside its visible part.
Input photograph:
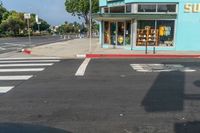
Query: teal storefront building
(160, 24)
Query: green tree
(80, 8)
(13, 24)
(44, 26)
(2, 11)
(69, 28)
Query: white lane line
(22, 70)
(19, 65)
(29, 61)
(22, 77)
(29, 58)
(6, 89)
(82, 68)
(16, 44)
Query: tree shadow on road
(187, 127)
(166, 94)
(28, 128)
(197, 83)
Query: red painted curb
(139, 56)
(26, 51)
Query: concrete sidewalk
(72, 48)
(67, 49)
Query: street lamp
(90, 46)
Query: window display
(166, 32)
(146, 33)
(155, 33)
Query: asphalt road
(111, 97)
(13, 44)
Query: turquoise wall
(187, 26)
(188, 29)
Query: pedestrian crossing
(161, 68)
(21, 69)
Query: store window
(117, 9)
(166, 32)
(120, 31)
(146, 7)
(128, 8)
(155, 33)
(146, 33)
(166, 8)
(113, 33)
(106, 33)
(105, 10)
(128, 33)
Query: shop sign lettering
(192, 8)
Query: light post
(90, 14)
(38, 22)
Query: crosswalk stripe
(22, 70)
(81, 70)
(19, 65)
(29, 58)
(6, 89)
(28, 61)
(22, 77)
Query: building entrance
(117, 33)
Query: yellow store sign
(192, 8)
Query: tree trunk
(87, 23)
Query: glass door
(113, 33)
(120, 33)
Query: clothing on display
(167, 31)
(164, 30)
(161, 30)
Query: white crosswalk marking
(30, 58)
(161, 68)
(6, 89)
(22, 70)
(22, 77)
(18, 66)
(29, 61)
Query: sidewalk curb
(162, 56)
(81, 55)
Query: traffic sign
(27, 15)
(36, 19)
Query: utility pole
(27, 16)
(90, 14)
(38, 22)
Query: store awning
(128, 16)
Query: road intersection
(109, 97)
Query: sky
(53, 11)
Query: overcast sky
(53, 11)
